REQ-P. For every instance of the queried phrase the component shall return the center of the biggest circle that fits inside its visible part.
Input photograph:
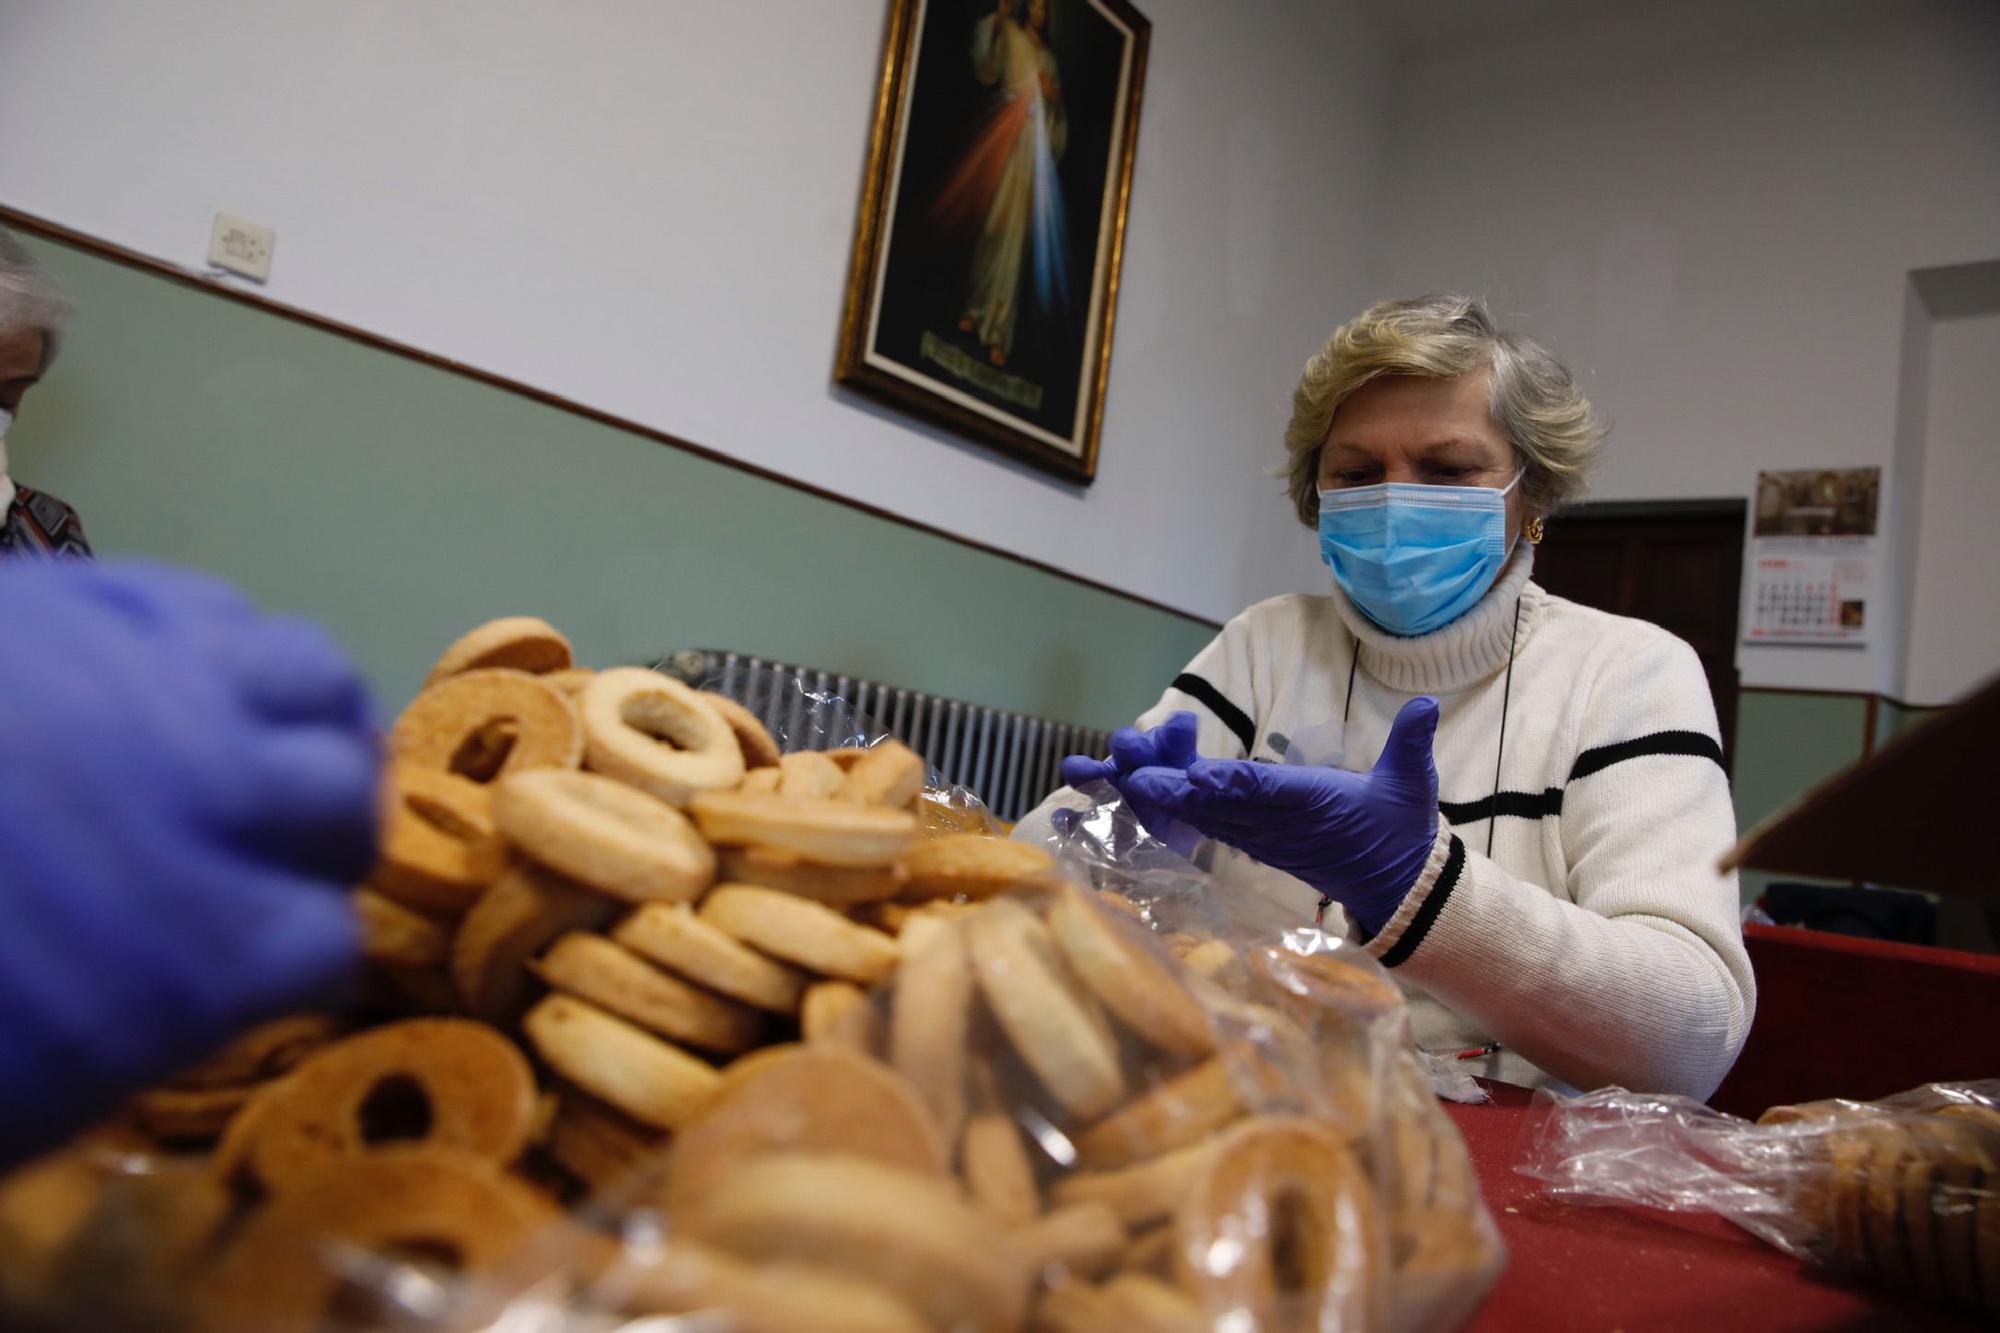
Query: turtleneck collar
(1463, 653)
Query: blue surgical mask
(1414, 558)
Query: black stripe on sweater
(1549, 801)
(1226, 712)
(1690, 743)
(1420, 924)
(1520, 804)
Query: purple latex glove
(1169, 745)
(1359, 838)
(186, 786)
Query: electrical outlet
(241, 246)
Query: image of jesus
(1007, 178)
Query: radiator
(1010, 760)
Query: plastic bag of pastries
(760, 1023)
(1904, 1192)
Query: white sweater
(1596, 944)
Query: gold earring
(1534, 531)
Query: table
(1572, 1266)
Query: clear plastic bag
(1904, 1191)
(1108, 1098)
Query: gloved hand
(1359, 838)
(185, 786)
(1169, 745)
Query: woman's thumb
(1407, 753)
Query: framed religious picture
(985, 269)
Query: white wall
(647, 207)
(1955, 615)
(1711, 213)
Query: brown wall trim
(118, 254)
(1870, 697)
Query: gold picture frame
(983, 288)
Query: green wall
(400, 504)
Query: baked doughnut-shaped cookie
(1133, 982)
(678, 940)
(617, 980)
(569, 682)
(604, 834)
(1182, 1110)
(997, 1171)
(791, 873)
(888, 774)
(762, 781)
(687, 1278)
(808, 775)
(1052, 1024)
(930, 1016)
(651, 732)
(804, 1099)
(615, 1062)
(519, 916)
(1139, 1194)
(598, 1146)
(523, 643)
(838, 1012)
(274, 1273)
(971, 865)
(188, 1113)
(802, 933)
(435, 1081)
(480, 724)
(1080, 1240)
(752, 737)
(391, 933)
(1317, 1260)
(829, 832)
(1328, 980)
(905, 1230)
(261, 1052)
(439, 845)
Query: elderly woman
(33, 311)
(1514, 802)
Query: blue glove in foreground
(1359, 838)
(1169, 745)
(184, 786)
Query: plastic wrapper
(1904, 1191)
(1097, 1096)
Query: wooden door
(1677, 563)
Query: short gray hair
(1535, 404)
(30, 298)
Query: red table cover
(1574, 1266)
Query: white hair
(30, 298)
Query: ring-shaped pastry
(1133, 982)
(804, 934)
(804, 1099)
(485, 723)
(521, 643)
(274, 1273)
(439, 846)
(651, 732)
(828, 832)
(1052, 1024)
(1299, 1217)
(649, 1080)
(605, 835)
(435, 1081)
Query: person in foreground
(185, 787)
(1514, 802)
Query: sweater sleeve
(1633, 971)
(1218, 687)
